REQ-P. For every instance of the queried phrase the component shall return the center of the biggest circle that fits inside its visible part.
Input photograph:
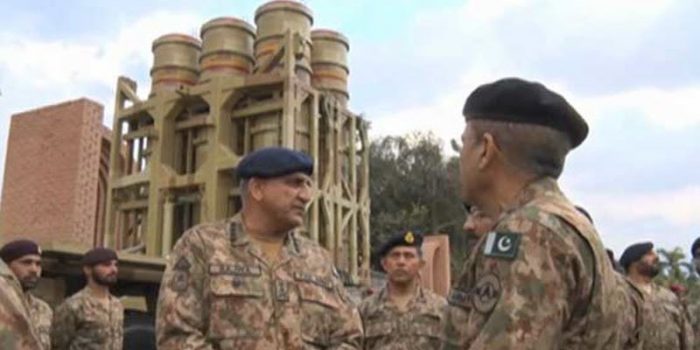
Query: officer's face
(105, 273)
(649, 264)
(477, 223)
(28, 270)
(286, 198)
(402, 264)
(470, 162)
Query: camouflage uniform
(219, 292)
(694, 318)
(41, 315)
(540, 280)
(16, 329)
(84, 322)
(419, 327)
(632, 320)
(666, 324)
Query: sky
(631, 68)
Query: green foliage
(675, 270)
(414, 186)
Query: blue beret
(634, 253)
(274, 162)
(17, 249)
(518, 101)
(403, 239)
(694, 248)
(99, 255)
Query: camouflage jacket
(16, 329)
(694, 318)
(83, 322)
(219, 292)
(666, 325)
(540, 280)
(632, 312)
(419, 327)
(41, 315)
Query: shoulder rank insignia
(502, 245)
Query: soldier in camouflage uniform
(92, 319)
(252, 282)
(16, 329)
(476, 225)
(632, 305)
(666, 324)
(540, 279)
(24, 259)
(403, 315)
(694, 303)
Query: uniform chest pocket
(236, 280)
(377, 328)
(232, 297)
(316, 290)
(428, 324)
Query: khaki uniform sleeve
(44, 326)
(687, 333)
(63, 327)
(523, 301)
(347, 333)
(181, 313)
(15, 328)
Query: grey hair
(243, 190)
(535, 149)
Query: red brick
(55, 158)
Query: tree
(414, 186)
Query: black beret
(694, 247)
(634, 253)
(404, 239)
(17, 249)
(519, 101)
(99, 255)
(274, 162)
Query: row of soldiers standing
(91, 319)
(538, 276)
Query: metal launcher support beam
(179, 149)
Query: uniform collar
(542, 187)
(383, 295)
(240, 238)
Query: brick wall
(50, 189)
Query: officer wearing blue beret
(252, 281)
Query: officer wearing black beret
(93, 315)
(404, 239)
(23, 257)
(515, 142)
(403, 314)
(666, 323)
(635, 252)
(269, 286)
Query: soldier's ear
(255, 188)
(382, 262)
(488, 150)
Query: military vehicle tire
(139, 331)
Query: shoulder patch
(486, 293)
(502, 245)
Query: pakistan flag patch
(502, 245)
